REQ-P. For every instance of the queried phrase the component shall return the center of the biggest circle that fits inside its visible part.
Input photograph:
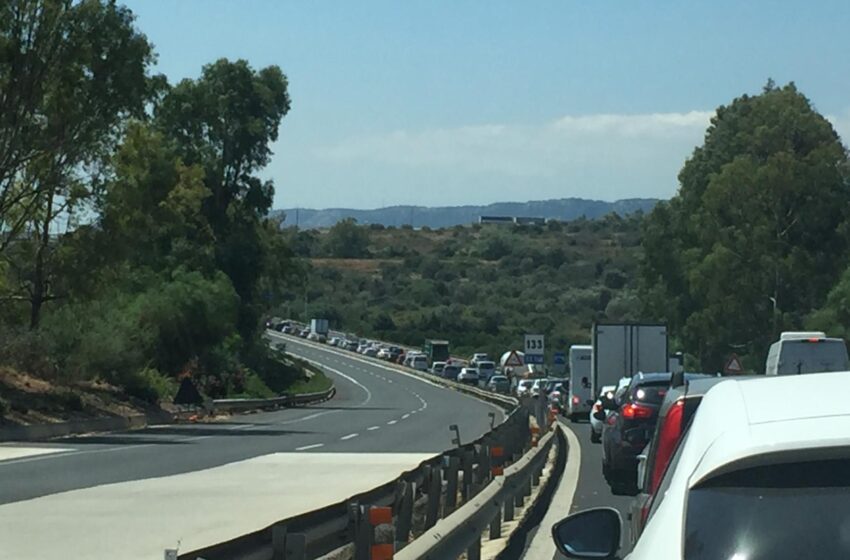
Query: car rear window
(650, 393)
(803, 356)
(785, 511)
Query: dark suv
(628, 428)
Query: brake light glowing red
(636, 411)
(668, 438)
(575, 399)
(815, 339)
(597, 407)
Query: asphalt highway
(144, 490)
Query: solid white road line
(306, 447)
(349, 436)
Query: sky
(470, 102)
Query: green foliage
(759, 220)
(347, 241)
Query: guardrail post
(474, 550)
(362, 532)
(404, 519)
(509, 509)
(536, 474)
(496, 525)
(279, 541)
(526, 487)
(519, 497)
(435, 490)
(451, 486)
(468, 464)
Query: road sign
(559, 358)
(534, 344)
(733, 365)
(514, 359)
(534, 359)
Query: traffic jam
(720, 466)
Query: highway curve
(134, 489)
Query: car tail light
(575, 399)
(668, 437)
(597, 407)
(637, 411)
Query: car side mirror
(593, 533)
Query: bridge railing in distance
(446, 501)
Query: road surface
(142, 491)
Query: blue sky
(462, 102)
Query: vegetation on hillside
(482, 287)
(134, 242)
(757, 236)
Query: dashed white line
(391, 422)
(370, 428)
(349, 436)
(306, 447)
(406, 416)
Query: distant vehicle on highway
(468, 375)
(437, 368)
(304, 333)
(752, 479)
(499, 384)
(436, 351)
(451, 371)
(289, 329)
(624, 349)
(419, 362)
(477, 358)
(334, 341)
(384, 353)
(350, 345)
(317, 337)
(806, 352)
(556, 393)
(523, 388)
(486, 369)
(597, 421)
(537, 387)
(628, 427)
(580, 397)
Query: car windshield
(776, 512)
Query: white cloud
(568, 147)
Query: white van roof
(796, 335)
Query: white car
(538, 386)
(468, 375)
(384, 353)
(595, 424)
(752, 478)
(419, 362)
(486, 369)
(523, 388)
(437, 368)
(477, 358)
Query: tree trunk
(39, 280)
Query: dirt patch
(26, 400)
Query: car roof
(641, 378)
(744, 419)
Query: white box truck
(319, 326)
(624, 349)
(580, 398)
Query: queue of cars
(726, 467)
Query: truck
(436, 351)
(580, 398)
(319, 326)
(624, 349)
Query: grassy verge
(313, 381)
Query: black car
(628, 427)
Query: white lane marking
(405, 417)
(306, 447)
(349, 436)
(391, 422)
(370, 428)
(9, 452)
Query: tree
(755, 237)
(70, 75)
(347, 240)
(225, 122)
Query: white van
(580, 398)
(806, 352)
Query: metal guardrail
(411, 504)
(237, 405)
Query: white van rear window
(804, 356)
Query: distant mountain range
(446, 216)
